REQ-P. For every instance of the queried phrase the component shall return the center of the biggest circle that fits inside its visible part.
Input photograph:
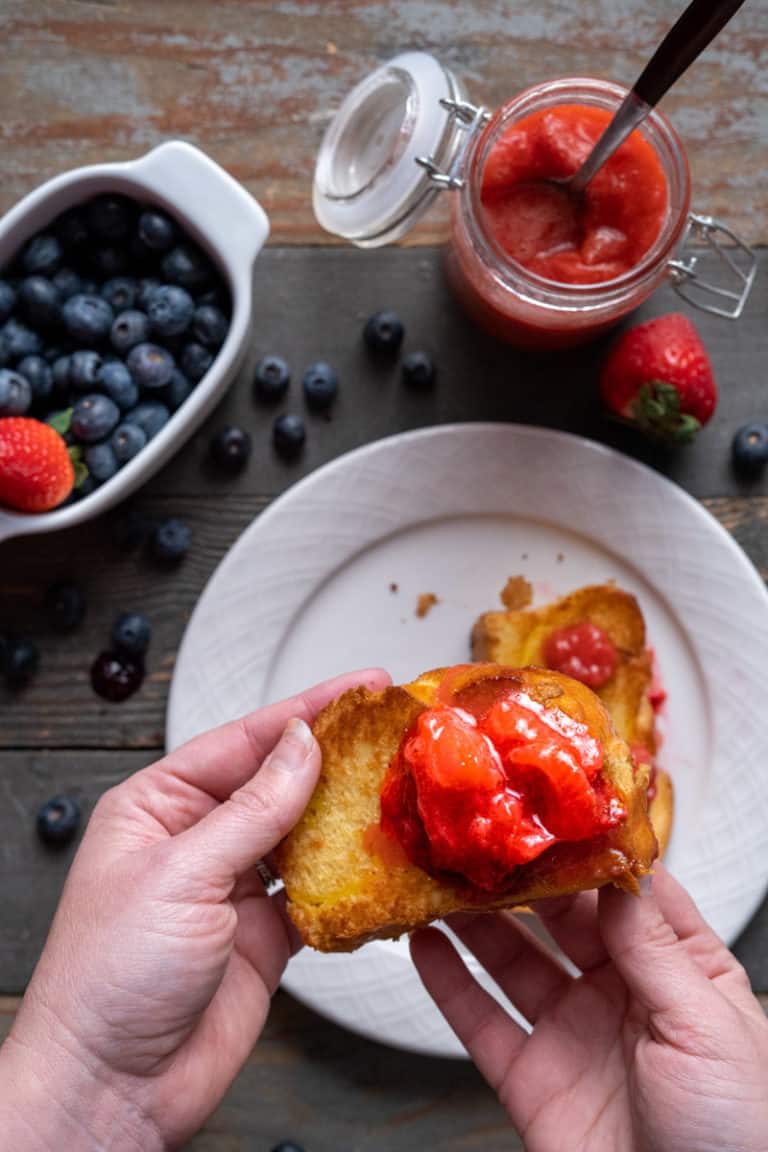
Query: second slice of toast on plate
(348, 881)
(518, 638)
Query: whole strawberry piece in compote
(658, 377)
(36, 470)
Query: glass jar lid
(371, 183)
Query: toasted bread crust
(341, 893)
(517, 638)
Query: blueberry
(418, 370)
(156, 230)
(120, 292)
(230, 448)
(71, 229)
(38, 373)
(186, 265)
(147, 288)
(116, 382)
(15, 393)
(750, 449)
(84, 368)
(170, 310)
(94, 417)
(129, 329)
(383, 333)
(39, 302)
(150, 365)
(22, 662)
(109, 217)
(195, 361)
(150, 416)
(7, 300)
(171, 540)
(19, 341)
(58, 820)
(127, 441)
(176, 390)
(87, 319)
(42, 255)
(101, 462)
(111, 261)
(60, 372)
(288, 434)
(90, 287)
(7, 642)
(210, 326)
(271, 378)
(216, 297)
(64, 605)
(321, 385)
(130, 528)
(67, 283)
(116, 677)
(131, 633)
(287, 1146)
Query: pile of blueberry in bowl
(109, 318)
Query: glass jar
(407, 132)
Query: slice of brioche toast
(517, 638)
(347, 883)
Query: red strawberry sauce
(572, 239)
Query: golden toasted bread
(517, 638)
(347, 883)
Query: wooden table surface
(253, 84)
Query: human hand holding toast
(156, 978)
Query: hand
(156, 978)
(659, 1046)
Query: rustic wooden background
(254, 84)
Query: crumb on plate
(425, 604)
(517, 593)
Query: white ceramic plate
(307, 592)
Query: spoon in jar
(696, 28)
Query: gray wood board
(311, 304)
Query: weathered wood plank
(254, 83)
(60, 710)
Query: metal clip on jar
(407, 132)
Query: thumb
(231, 839)
(646, 950)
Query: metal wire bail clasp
(739, 265)
(468, 119)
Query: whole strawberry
(36, 471)
(658, 376)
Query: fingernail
(644, 884)
(300, 732)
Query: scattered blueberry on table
(20, 659)
(321, 385)
(131, 633)
(418, 370)
(288, 435)
(383, 333)
(287, 1146)
(115, 676)
(271, 379)
(750, 449)
(171, 540)
(65, 605)
(58, 820)
(111, 308)
(230, 448)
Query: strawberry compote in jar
(533, 264)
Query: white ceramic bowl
(223, 219)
